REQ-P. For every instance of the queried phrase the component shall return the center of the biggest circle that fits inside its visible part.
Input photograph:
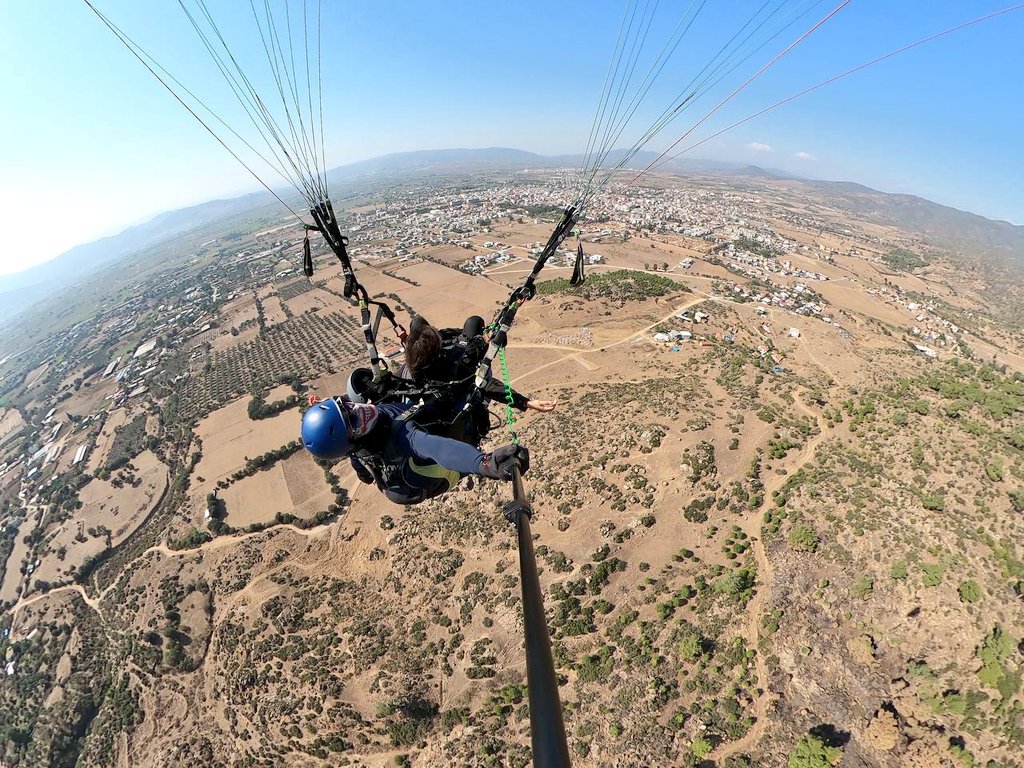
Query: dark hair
(422, 347)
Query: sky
(89, 135)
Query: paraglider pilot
(406, 463)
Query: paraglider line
(841, 75)
(747, 82)
(131, 46)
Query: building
(145, 349)
(926, 351)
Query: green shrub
(969, 590)
(932, 574)
(811, 752)
(1017, 499)
(864, 586)
(994, 470)
(803, 538)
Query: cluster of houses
(681, 334)
(924, 324)
(481, 261)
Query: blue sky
(87, 130)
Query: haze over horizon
(119, 150)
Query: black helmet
(360, 385)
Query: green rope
(510, 416)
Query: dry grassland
(105, 441)
(10, 423)
(257, 498)
(119, 510)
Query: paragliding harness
(401, 481)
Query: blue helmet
(325, 431)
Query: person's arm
(451, 454)
(494, 391)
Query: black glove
(499, 464)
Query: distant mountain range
(998, 243)
(23, 289)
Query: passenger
(451, 355)
(407, 463)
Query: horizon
(131, 154)
(255, 189)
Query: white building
(145, 349)
(926, 351)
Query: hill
(24, 289)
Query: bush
(697, 510)
(701, 747)
(811, 752)
(969, 590)
(994, 470)
(933, 502)
(932, 574)
(1017, 500)
(803, 538)
(864, 586)
(898, 570)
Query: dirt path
(698, 298)
(752, 629)
(27, 601)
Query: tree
(811, 752)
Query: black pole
(547, 729)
